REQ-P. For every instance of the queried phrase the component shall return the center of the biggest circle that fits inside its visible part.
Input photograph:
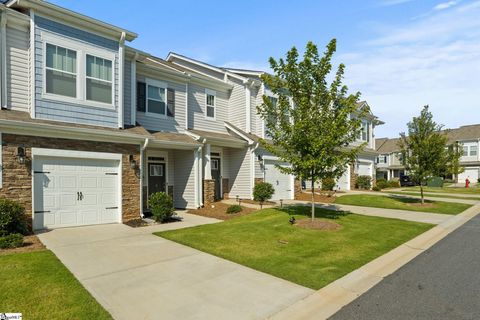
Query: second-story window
(156, 99)
(210, 101)
(99, 79)
(465, 151)
(365, 132)
(61, 71)
(473, 151)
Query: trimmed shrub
(12, 218)
(364, 182)
(235, 208)
(263, 191)
(382, 183)
(376, 188)
(328, 184)
(10, 241)
(394, 184)
(161, 205)
(478, 180)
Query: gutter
(3, 84)
(121, 77)
(142, 152)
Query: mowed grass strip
(402, 203)
(472, 190)
(39, 286)
(433, 195)
(266, 241)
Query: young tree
(424, 149)
(309, 122)
(452, 163)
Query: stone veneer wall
(208, 192)
(17, 178)
(225, 188)
(297, 188)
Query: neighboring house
(90, 127)
(389, 164)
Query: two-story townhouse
(389, 163)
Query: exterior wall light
(21, 155)
(133, 162)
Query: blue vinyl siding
(71, 111)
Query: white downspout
(121, 67)
(252, 168)
(142, 152)
(186, 105)
(248, 113)
(3, 80)
(32, 64)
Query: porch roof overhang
(173, 140)
(217, 139)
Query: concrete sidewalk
(395, 192)
(136, 275)
(330, 299)
(425, 217)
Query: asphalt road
(441, 283)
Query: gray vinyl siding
(127, 91)
(159, 123)
(197, 110)
(256, 117)
(18, 70)
(236, 105)
(184, 183)
(240, 173)
(253, 109)
(226, 159)
(74, 112)
(189, 65)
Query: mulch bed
(30, 243)
(266, 203)
(317, 224)
(318, 197)
(218, 211)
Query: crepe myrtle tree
(424, 149)
(309, 120)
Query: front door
(156, 178)
(216, 175)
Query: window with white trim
(465, 151)
(61, 71)
(210, 101)
(365, 131)
(99, 84)
(156, 102)
(156, 170)
(473, 151)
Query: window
(170, 102)
(382, 159)
(155, 99)
(99, 79)
(465, 151)
(365, 131)
(214, 164)
(473, 151)
(141, 96)
(61, 71)
(156, 170)
(210, 103)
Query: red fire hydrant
(467, 183)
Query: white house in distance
(389, 163)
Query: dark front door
(156, 178)
(216, 170)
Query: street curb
(330, 299)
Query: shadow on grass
(331, 213)
(407, 199)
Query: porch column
(208, 164)
(388, 174)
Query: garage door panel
(471, 173)
(282, 183)
(57, 202)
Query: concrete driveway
(136, 275)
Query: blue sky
(400, 54)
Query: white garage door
(343, 183)
(364, 169)
(74, 192)
(282, 183)
(470, 173)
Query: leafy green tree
(309, 121)
(424, 149)
(452, 162)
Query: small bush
(376, 188)
(12, 218)
(234, 209)
(13, 240)
(382, 183)
(478, 180)
(364, 182)
(328, 184)
(394, 184)
(263, 191)
(161, 205)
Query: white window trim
(82, 49)
(212, 93)
(97, 79)
(158, 84)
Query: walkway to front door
(136, 275)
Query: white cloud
(445, 5)
(393, 2)
(434, 61)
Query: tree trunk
(313, 199)
(421, 193)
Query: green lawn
(472, 190)
(434, 195)
(402, 203)
(39, 286)
(311, 258)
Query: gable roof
(386, 145)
